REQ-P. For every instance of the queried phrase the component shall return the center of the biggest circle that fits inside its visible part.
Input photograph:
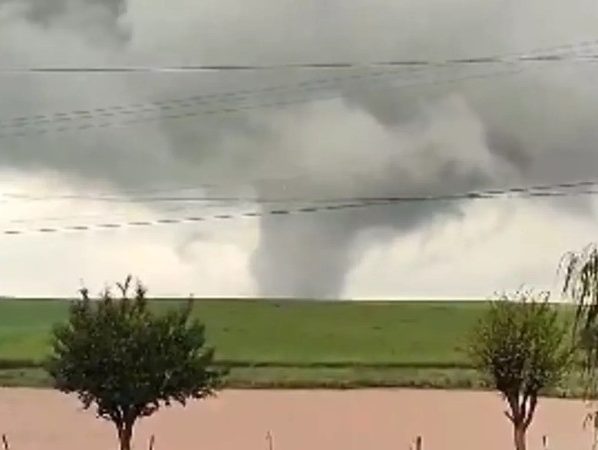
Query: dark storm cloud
(96, 20)
(46, 11)
(371, 139)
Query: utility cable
(541, 191)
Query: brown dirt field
(372, 419)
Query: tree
(117, 354)
(519, 345)
(581, 285)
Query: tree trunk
(125, 433)
(519, 437)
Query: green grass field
(290, 333)
(288, 344)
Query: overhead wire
(30, 125)
(128, 193)
(319, 65)
(224, 110)
(189, 101)
(292, 199)
(165, 106)
(540, 191)
(186, 208)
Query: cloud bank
(369, 137)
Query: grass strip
(325, 378)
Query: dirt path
(299, 420)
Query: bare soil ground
(373, 419)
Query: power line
(21, 126)
(122, 215)
(318, 65)
(227, 110)
(164, 105)
(311, 199)
(126, 193)
(186, 102)
(542, 191)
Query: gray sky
(395, 134)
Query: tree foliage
(520, 346)
(119, 355)
(581, 285)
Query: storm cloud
(403, 133)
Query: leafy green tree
(580, 284)
(117, 354)
(519, 345)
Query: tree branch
(532, 409)
(512, 400)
